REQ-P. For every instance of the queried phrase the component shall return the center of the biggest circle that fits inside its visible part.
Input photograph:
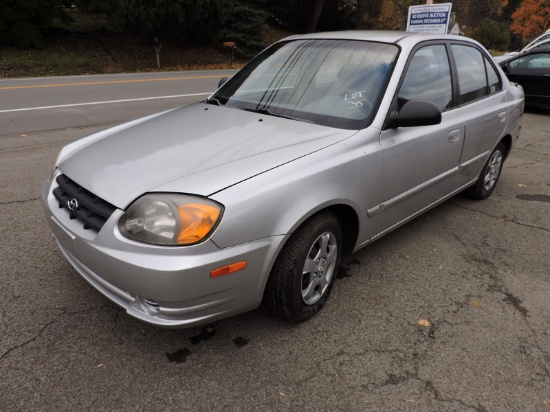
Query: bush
(98, 6)
(22, 22)
(195, 22)
(492, 34)
(243, 24)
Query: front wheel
(489, 176)
(304, 272)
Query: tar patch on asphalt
(516, 303)
(178, 356)
(534, 198)
(206, 333)
(239, 341)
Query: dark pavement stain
(394, 380)
(206, 333)
(343, 272)
(428, 332)
(534, 198)
(178, 356)
(516, 303)
(239, 341)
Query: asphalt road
(448, 313)
(37, 105)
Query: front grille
(92, 211)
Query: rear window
(472, 76)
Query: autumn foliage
(531, 18)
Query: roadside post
(233, 46)
(158, 46)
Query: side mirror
(222, 81)
(415, 113)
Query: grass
(63, 53)
(67, 56)
(48, 62)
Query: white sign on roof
(429, 18)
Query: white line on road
(106, 102)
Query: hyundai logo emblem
(72, 204)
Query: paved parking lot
(448, 313)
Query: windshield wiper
(213, 101)
(284, 116)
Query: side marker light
(226, 270)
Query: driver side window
(428, 77)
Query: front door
(420, 163)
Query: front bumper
(163, 286)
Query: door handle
(454, 136)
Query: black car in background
(532, 71)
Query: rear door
(483, 104)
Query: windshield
(335, 83)
(542, 38)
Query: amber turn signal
(197, 220)
(226, 270)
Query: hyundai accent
(319, 146)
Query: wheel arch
(349, 224)
(348, 219)
(507, 141)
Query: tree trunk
(317, 10)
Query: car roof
(540, 43)
(540, 39)
(384, 36)
(527, 53)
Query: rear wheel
(489, 176)
(304, 271)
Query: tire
(489, 176)
(304, 272)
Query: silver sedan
(319, 146)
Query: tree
(393, 14)
(506, 17)
(196, 21)
(153, 18)
(318, 6)
(242, 23)
(471, 12)
(390, 16)
(492, 34)
(531, 18)
(23, 22)
(314, 15)
(369, 13)
(340, 15)
(97, 6)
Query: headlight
(164, 219)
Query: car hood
(199, 149)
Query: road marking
(40, 86)
(106, 102)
